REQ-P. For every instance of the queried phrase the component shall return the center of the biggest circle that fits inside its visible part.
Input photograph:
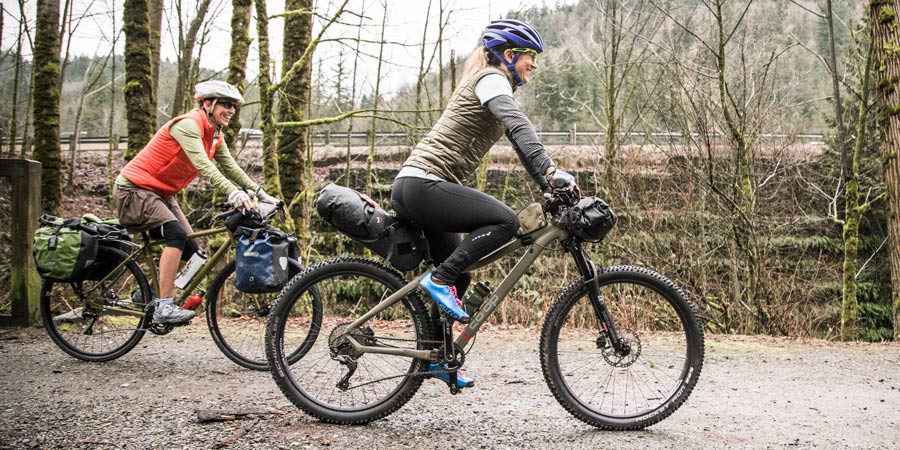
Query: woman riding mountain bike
(429, 190)
(182, 149)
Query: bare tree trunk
(353, 95)
(15, 93)
(46, 103)
(423, 70)
(140, 103)
(237, 65)
(182, 101)
(113, 137)
(375, 98)
(155, 8)
(884, 21)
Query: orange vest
(162, 166)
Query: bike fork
(589, 272)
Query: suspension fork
(589, 271)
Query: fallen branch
(208, 415)
(236, 436)
(88, 441)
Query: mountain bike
(620, 348)
(104, 314)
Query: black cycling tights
(443, 210)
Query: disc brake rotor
(630, 338)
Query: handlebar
(265, 211)
(563, 195)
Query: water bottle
(193, 301)
(190, 269)
(476, 297)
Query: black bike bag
(358, 216)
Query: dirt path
(753, 393)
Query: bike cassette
(339, 343)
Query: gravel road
(754, 392)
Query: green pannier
(64, 248)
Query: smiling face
(524, 65)
(221, 113)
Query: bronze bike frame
(537, 242)
(147, 251)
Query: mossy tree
(883, 15)
(237, 62)
(45, 93)
(140, 100)
(293, 103)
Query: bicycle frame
(538, 241)
(146, 250)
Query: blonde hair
(474, 63)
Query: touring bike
(620, 348)
(105, 315)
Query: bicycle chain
(412, 374)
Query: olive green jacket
(457, 143)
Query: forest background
(743, 143)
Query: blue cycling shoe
(444, 297)
(440, 373)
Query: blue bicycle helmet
(511, 33)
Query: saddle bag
(261, 264)
(359, 217)
(63, 249)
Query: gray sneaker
(170, 314)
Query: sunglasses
(227, 104)
(529, 51)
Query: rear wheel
(98, 320)
(651, 379)
(237, 320)
(333, 381)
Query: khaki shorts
(140, 210)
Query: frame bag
(63, 249)
(261, 264)
(358, 216)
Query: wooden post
(25, 284)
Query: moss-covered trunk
(292, 106)
(267, 119)
(884, 21)
(237, 61)
(45, 91)
(140, 100)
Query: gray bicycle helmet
(216, 89)
(511, 33)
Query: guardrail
(559, 137)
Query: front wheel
(647, 383)
(237, 320)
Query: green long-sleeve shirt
(226, 178)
